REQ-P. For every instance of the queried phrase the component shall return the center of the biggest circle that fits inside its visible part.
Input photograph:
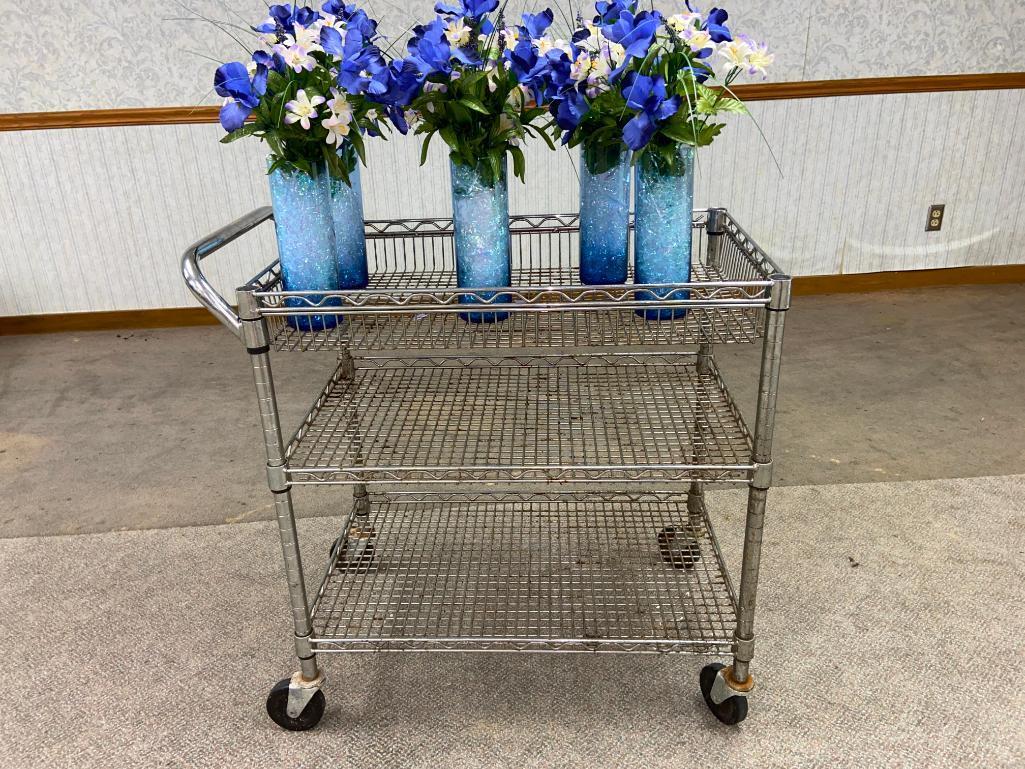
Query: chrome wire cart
(531, 484)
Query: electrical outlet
(935, 221)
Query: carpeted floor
(890, 634)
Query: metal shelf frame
(535, 484)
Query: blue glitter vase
(604, 215)
(350, 237)
(305, 233)
(663, 206)
(480, 213)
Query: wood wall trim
(811, 285)
(172, 317)
(865, 282)
(107, 118)
(807, 89)
(871, 86)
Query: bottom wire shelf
(460, 573)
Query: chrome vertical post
(257, 340)
(713, 249)
(768, 386)
(358, 532)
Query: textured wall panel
(96, 219)
(112, 53)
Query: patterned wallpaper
(113, 53)
(97, 218)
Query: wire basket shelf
(454, 572)
(412, 301)
(631, 417)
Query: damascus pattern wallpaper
(113, 53)
(96, 219)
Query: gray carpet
(890, 634)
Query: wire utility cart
(533, 484)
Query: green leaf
(495, 161)
(693, 135)
(707, 133)
(459, 113)
(275, 146)
(276, 82)
(734, 106)
(705, 104)
(356, 139)
(247, 130)
(475, 104)
(448, 134)
(423, 149)
(519, 163)
(336, 165)
(714, 105)
(546, 138)
(712, 102)
(680, 131)
(470, 78)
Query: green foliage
(600, 132)
(481, 116)
(713, 101)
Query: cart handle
(196, 280)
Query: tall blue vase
(350, 237)
(663, 206)
(305, 233)
(604, 215)
(480, 213)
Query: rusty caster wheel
(730, 711)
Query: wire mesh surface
(558, 418)
(578, 326)
(412, 300)
(556, 574)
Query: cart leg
(296, 703)
(713, 250)
(680, 546)
(725, 689)
(296, 585)
(354, 548)
(696, 504)
(738, 677)
(704, 367)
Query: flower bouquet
(640, 82)
(482, 90)
(308, 91)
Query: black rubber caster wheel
(677, 548)
(730, 711)
(277, 703)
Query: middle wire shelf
(629, 417)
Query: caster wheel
(277, 704)
(678, 549)
(362, 557)
(730, 711)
